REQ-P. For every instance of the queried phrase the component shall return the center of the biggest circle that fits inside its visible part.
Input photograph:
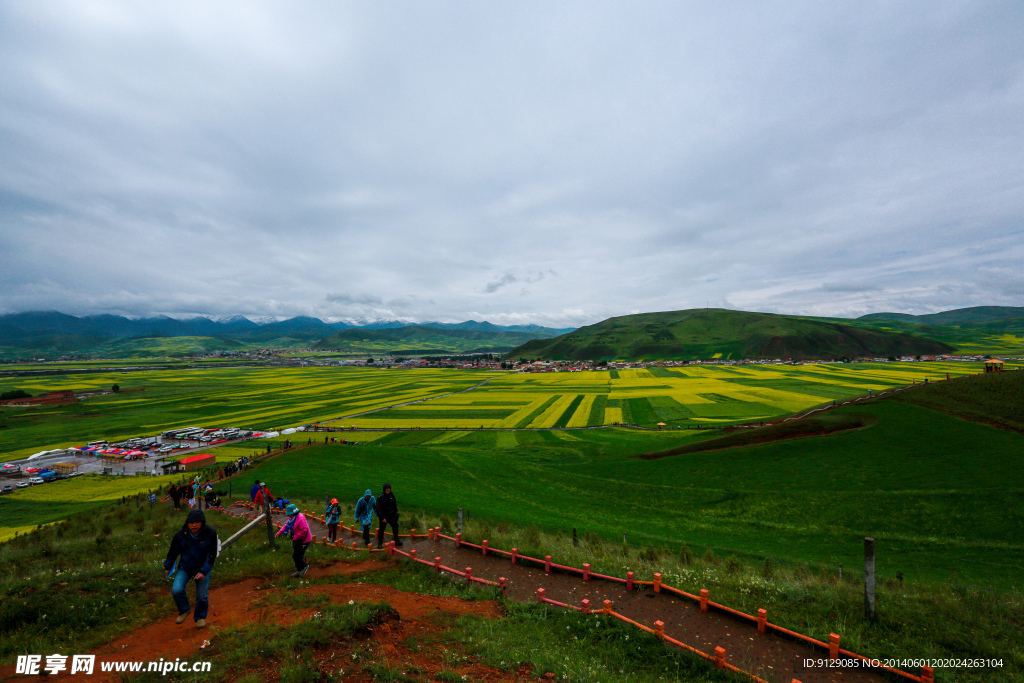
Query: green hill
(720, 333)
(980, 330)
(974, 314)
(420, 338)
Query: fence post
(608, 607)
(659, 629)
(515, 554)
(547, 564)
(460, 520)
(469, 575)
(629, 581)
(586, 606)
(412, 551)
(586, 571)
(927, 674)
(458, 539)
(762, 618)
(437, 565)
(483, 547)
(869, 578)
(703, 599)
(720, 657)
(833, 646)
(270, 521)
(575, 538)
(657, 583)
(540, 595)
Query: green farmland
(687, 396)
(265, 398)
(260, 398)
(942, 507)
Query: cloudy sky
(554, 163)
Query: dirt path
(418, 619)
(773, 657)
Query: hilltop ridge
(722, 333)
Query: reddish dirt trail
(770, 656)
(246, 602)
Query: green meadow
(940, 494)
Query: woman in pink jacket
(298, 528)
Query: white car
(21, 485)
(35, 480)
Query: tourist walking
(298, 528)
(191, 556)
(331, 517)
(387, 511)
(364, 514)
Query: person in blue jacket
(364, 514)
(195, 548)
(331, 518)
(253, 491)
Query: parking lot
(102, 457)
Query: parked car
(35, 480)
(22, 485)
(8, 488)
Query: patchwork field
(261, 398)
(687, 396)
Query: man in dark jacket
(387, 512)
(195, 548)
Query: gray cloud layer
(514, 162)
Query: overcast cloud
(550, 163)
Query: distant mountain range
(691, 334)
(52, 333)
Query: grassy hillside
(974, 315)
(995, 398)
(95, 580)
(719, 333)
(1001, 336)
(420, 338)
(913, 478)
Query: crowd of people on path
(195, 546)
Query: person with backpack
(192, 553)
(298, 528)
(387, 511)
(364, 514)
(331, 517)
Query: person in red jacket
(298, 528)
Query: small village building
(65, 467)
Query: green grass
(68, 587)
(942, 508)
(997, 398)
